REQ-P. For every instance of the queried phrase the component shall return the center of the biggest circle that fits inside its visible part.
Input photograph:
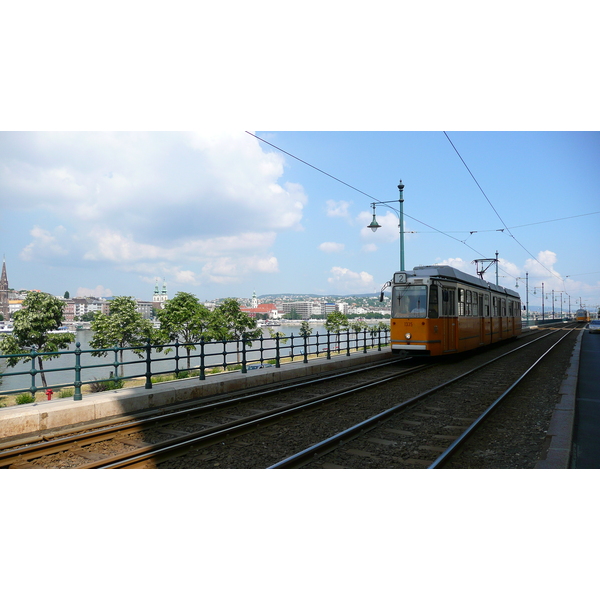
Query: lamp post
(534, 293)
(526, 278)
(561, 301)
(374, 226)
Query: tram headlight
(407, 336)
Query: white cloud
(547, 258)
(457, 263)
(338, 208)
(98, 292)
(45, 245)
(388, 230)
(369, 247)
(187, 205)
(331, 247)
(344, 280)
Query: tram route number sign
(400, 278)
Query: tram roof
(447, 272)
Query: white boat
(6, 327)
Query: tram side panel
(454, 323)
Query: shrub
(105, 386)
(24, 399)
(66, 393)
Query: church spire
(4, 305)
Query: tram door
(486, 320)
(449, 319)
(481, 320)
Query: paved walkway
(586, 433)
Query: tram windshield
(409, 301)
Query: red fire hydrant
(49, 394)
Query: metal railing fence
(207, 355)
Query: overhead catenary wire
(369, 196)
(517, 226)
(501, 219)
(405, 213)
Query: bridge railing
(147, 361)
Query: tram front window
(409, 301)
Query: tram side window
(448, 303)
(475, 304)
(486, 305)
(503, 307)
(495, 312)
(433, 302)
(461, 302)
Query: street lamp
(374, 226)
(526, 278)
(535, 293)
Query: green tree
(186, 319)
(357, 327)
(305, 329)
(122, 328)
(293, 315)
(231, 324)
(277, 335)
(67, 295)
(88, 316)
(40, 314)
(335, 323)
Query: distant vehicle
(594, 326)
(6, 327)
(582, 315)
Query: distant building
(342, 307)
(145, 308)
(328, 308)
(160, 297)
(75, 308)
(304, 309)
(261, 309)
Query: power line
(503, 223)
(313, 167)
(372, 198)
(516, 226)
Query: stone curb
(560, 430)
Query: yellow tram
(438, 310)
(582, 315)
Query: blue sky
(126, 162)
(225, 214)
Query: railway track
(98, 446)
(428, 430)
(258, 430)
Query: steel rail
(37, 448)
(238, 427)
(460, 440)
(326, 446)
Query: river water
(103, 367)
